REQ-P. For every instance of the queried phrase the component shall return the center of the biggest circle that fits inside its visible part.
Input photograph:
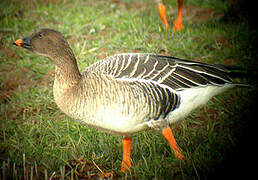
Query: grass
(38, 141)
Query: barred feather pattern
(176, 74)
(160, 78)
(160, 100)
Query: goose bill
(25, 43)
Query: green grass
(38, 140)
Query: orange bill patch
(18, 42)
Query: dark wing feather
(176, 73)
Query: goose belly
(113, 120)
(193, 98)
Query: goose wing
(174, 73)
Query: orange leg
(178, 22)
(162, 13)
(126, 164)
(168, 135)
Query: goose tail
(236, 72)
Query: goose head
(49, 43)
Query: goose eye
(40, 35)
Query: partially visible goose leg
(162, 12)
(178, 25)
(127, 142)
(126, 163)
(168, 135)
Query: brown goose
(127, 93)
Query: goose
(130, 92)
(162, 12)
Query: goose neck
(67, 73)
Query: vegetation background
(37, 141)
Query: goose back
(177, 74)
